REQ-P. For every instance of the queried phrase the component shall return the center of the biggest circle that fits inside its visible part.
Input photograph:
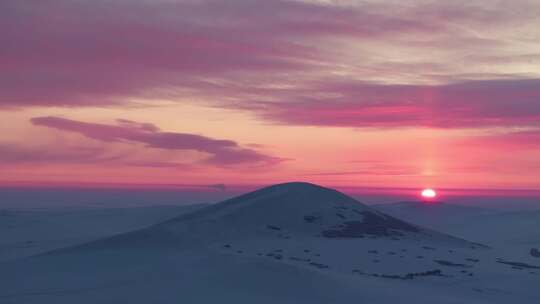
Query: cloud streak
(221, 152)
(470, 104)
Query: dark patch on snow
(319, 265)
(451, 264)
(273, 227)
(276, 256)
(341, 216)
(299, 259)
(472, 260)
(312, 218)
(227, 246)
(373, 251)
(535, 253)
(372, 224)
(518, 264)
(428, 248)
(408, 276)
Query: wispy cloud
(467, 104)
(221, 152)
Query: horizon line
(222, 187)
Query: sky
(392, 94)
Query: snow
(270, 246)
(25, 232)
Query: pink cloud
(222, 152)
(467, 104)
(507, 141)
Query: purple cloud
(77, 53)
(222, 152)
(467, 104)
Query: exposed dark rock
(390, 276)
(275, 255)
(318, 265)
(518, 264)
(311, 218)
(273, 227)
(472, 260)
(373, 224)
(535, 253)
(428, 248)
(451, 264)
(340, 215)
(299, 259)
(408, 276)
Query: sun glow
(429, 193)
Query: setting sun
(429, 193)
